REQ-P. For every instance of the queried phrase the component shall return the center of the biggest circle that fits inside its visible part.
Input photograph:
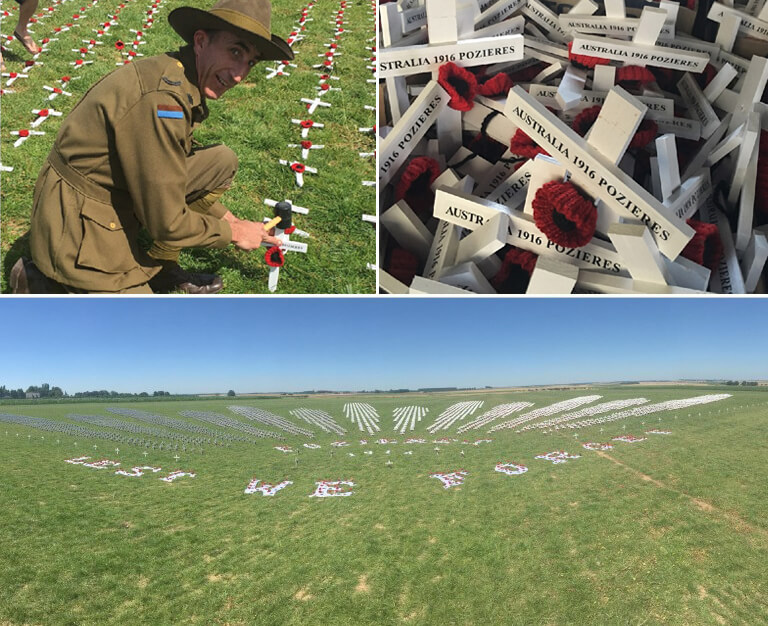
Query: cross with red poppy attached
(306, 125)
(306, 145)
(299, 169)
(283, 225)
(313, 104)
(279, 69)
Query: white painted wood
(726, 33)
(649, 28)
(628, 52)
(685, 273)
(390, 284)
(722, 79)
(680, 126)
(583, 7)
(639, 253)
(512, 192)
(497, 12)
(467, 276)
(398, 144)
(594, 174)
(552, 277)
(747, 148)
(698, 106)
(598, 282)
(700, 159)
(693, 193)
(421, 285)
(602, 25)
(604, 78)
(750, 25)
(407, 229)
(753, 261)
(616, 124)
(615, 8)
(751, 91)
(571, 86)
(669, 174)
(746, 211)
(541, 15)
(476, 166)
(484, 241)
(441, 21)
(442, 254)
(727, 277)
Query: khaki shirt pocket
(107, 243)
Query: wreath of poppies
(658, 432)
(511, 469)
(176, 475)
(450, 479)
(597, 446)
(266, 489)
(628, 439)
(284, 448)
(330, 489)
(558, 456)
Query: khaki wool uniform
(123, 160)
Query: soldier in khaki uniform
(123, 160)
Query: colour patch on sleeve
(172, 112)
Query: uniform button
(112, 225)
(179, 63)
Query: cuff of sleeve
(217, 209)
(226, 235)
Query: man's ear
(200, 39)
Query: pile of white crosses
(364, 415)
(602, 149)
(135, 472)
(497, 412)
(565, 405)
(56, 31)
(454, 413)
(406, 417)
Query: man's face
(223, 60)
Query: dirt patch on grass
(380, 527)
(303, 595)
(432, 540)
(362, 584)
(732, 518)
(127, 524)
(214, 578)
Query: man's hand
(250, 235)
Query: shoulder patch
(169, 111)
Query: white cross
(42, 115)
(299, 169)
(80, 63)
(55, 91)
(306, 125)
(23, 135)
(145, 453)
(313, 104)
(12, 76)
(177, 457)
(306, 148)
(117, 450)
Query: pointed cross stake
(12, 76)
(55, 91)
(42, 115)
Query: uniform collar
(186, 55)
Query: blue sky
(186, 345)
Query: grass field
(670, 530)
(253, 119)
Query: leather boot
(174, 279)
(26, 278)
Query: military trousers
(210, 171)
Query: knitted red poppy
(403, 265)
(23, 133)
(298, 167)
(705, 248)
(515, 271)
(307, 123)
(460, 84)
(274, 257)
(645, 134)
(522, 145)
(526, 74)
(634, 76)
(584, 61)
(289, 230)
(415, 183)
(584, 120)
(306, 144)
(498, 85)
(564, 215)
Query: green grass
(253, 119)
(589, 541)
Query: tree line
(47, 391)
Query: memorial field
(667, 525)
(83, 42)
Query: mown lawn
(669, 530)
(253, 119)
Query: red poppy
(584, 61)
(564, 215)
(298, 167)
(584, 120)
(28, 63)
(328, 63)
(43, 113)
(119, 45)
(498, 85)
(403, 265)
(65, 79)
(634, 76)
(13, 74)
(522, 145)
(79, 62)
(306, 144)
(289, 230)
(83, 50)
(274, 257)
(415, 184)
(23, 133)
(57, 90)
(705, 248)
(460, 84)
(325, 86)
(307, 123)
(645, 134)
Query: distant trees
(743, 383)
(231, 393)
